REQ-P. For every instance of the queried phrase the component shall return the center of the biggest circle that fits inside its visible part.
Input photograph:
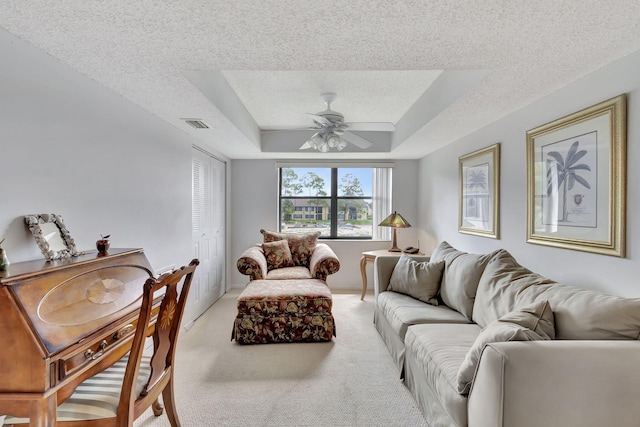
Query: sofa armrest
(557, 383)
(383, 267)
(323, 262)
(253, 263)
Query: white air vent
(196, 123)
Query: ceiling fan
(333, 132)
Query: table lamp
(396, 221)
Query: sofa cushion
(579, 314)
(402, 311)
(461, 276)
(420, 280)
(289, 273)
(278, 254)
(285, 296)
(500, 288)
(301, 245)
(531, 323)
(438, 350)
(582, 314)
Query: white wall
(72, 147)
(254, 203)
(438, 176)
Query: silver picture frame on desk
(52, 236)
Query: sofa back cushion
(583, 314)
(462, 273)
(500, 287)
(580, 314)
(301, 245)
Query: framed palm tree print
(478, 207)
(576, 180)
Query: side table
(370, 256)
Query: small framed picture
(576, 180)
(479, 200)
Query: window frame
(333, 199)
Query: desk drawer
(94, 350)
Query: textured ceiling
(279, 99)
(244, 65)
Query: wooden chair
(118, 395)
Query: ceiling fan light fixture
(315, 141)
(330, 128)
(333, 141)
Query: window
(357, 197)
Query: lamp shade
(396, 221)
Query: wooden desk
(63, 321)
(370, 256)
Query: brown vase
(103, 246)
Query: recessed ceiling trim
(450, 86)
(216, 89)
(334, 163)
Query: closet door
(218, 226)
(208, 219)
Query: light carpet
(350, 381)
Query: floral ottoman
(277, 311)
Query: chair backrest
(165, 328)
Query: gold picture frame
(576, 180)
(479, 192)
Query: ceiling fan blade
(320, 119)
(372, 126)
(356, 140)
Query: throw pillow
(531, 323)
(301, 245)
(277, 254)
(421, 280)
(536, 316)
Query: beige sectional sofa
(506, 346)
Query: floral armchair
(288, 256)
